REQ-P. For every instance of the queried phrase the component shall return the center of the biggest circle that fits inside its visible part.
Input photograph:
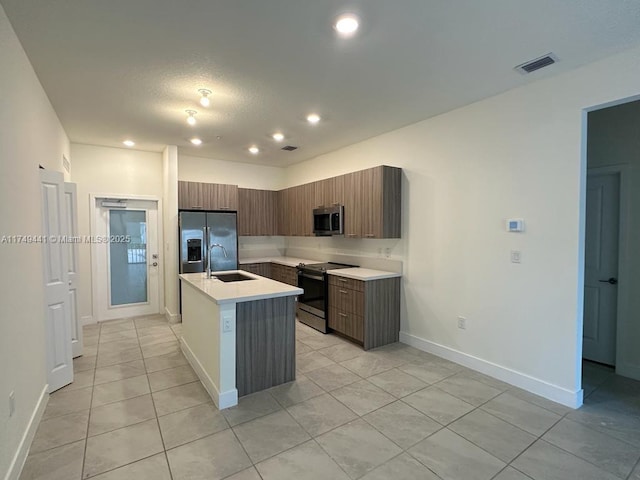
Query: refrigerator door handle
(205, 233)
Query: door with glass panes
(127, 261)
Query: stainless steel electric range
(312, 304)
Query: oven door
(313, 298)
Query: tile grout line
(86, 440)
(155, 411)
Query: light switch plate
(516, 256)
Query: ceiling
(117, 69)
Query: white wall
(518, 154)
(106, 170)
(245, 175)
(30, 135)
(614, 139)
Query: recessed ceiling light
(196, 141)
(129, 143)
(278, 137)
(204, 100)
(191, 119)
(313, 118)
(346, 25)
(254, 150)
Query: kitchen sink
(232, 277)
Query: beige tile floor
(137, 411)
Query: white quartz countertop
(236, 292)
(288, 261)
(363, 273)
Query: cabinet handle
(343, 315)
(369, 235)
(197, 207)
(351, 235)
(224, 208)
(343, 291)
(342, 280)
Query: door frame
(93, 197)
(624, 274)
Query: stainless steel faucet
(224, 250)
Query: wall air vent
(289, 148)
(537, 64)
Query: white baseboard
(172, 318)
(572, 399)
(222, 400)
(87, 320)
(627, 370)
(17, 464)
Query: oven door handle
(313, 277)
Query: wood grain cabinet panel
(284, 274)
(221, 197)
(207, 196)
(257, 212)
(353, 208)
(373, 203)
(368, 312)
(262, 269)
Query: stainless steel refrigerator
(199, 231)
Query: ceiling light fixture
(278, 136)
(191, 119)
(347, 24)
(196, 141)
(129, 143)
(313, 118)
(254, 150)
(204, 100)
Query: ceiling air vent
(537, 64)
(289, 148)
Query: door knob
(612, 281)
(154, 264)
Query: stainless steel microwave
(328, 221)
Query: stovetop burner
(323, 267)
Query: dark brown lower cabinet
(262, 269)
(284, 274)
(365, 311)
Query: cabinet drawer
(346, 299)
(346, 283)
(348, 324)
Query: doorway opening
(610, 274)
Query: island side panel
(203, 345)
(265, 344)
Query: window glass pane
(128, 256)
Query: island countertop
(235, 292)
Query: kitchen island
(239, 336)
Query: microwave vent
(289, 148)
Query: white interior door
(71, 209)
(601, 268)
(127, 277)
(56, 282)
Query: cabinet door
(371, 201)
(308, 197)
(191, 196)
(221, 197)
(257, 212)
(353, 204)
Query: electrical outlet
(226, 325)
(12, 403)
(387, 252)
(462, 323)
